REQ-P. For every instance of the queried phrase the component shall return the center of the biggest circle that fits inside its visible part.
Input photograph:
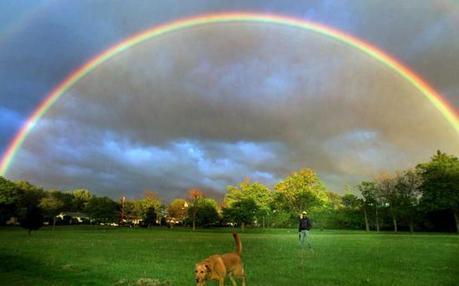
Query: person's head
(304, 214)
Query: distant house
(132, 220)
(73, 217)
(12, 221)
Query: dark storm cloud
(115, 166)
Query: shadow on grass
(22, 270)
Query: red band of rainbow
(440, 103)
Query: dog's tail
(237, 240)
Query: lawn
(122, 256)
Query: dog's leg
(243, 281)
(233, 282)
(221, 282)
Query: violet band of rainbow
(440, 103)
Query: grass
(122, 256)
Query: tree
(370, 200)
(81, 198)
(351, 211)
(201, 210)
(302, 190)
(195, 196)
(259, 193)
(440, 184)
(150, 217)
(52, 205)
(28, 211)
(32, 218)
(327, 214)
(102, 209)
(133, 211)
(386, 187)
(178, 210)
(241, 212)
(207, 213)
(150, 201)
(9, 200)
(29, 195)
(408, 188)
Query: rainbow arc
(440, 103)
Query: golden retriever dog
(217, 267)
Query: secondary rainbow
(447, 111)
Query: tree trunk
(456, 218)
(394, 219)
(367, 227)
(54, 222)
(377, 220)
(242, 226)
(194, 220)
(411, 225)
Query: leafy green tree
(150, 217)
(302, 190)
(351, 211)
(371, 201)
(133, 211)
(150, 200)
(408, 188)
(259, 193)
(31, 218)
(103, 209)
(195, 196)
(29, 195)
(241, 212)
(178, 209)
(350, 201)
(327, 214)
(387, 189)
(81, 198)
(207, 212)
(202, 211)
(21, 199)
(281, 218)
(52, 205)
(67, 199)
(440, 184)
(9, 200)
(29, 214)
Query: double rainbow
(447, 111)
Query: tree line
(425, 197)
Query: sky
(212, 105)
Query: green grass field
(121, 256)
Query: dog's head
(201, 273)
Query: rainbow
(446, 110)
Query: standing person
(303, 230)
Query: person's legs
(308, 239)
(301, 236)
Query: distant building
(73, 217)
